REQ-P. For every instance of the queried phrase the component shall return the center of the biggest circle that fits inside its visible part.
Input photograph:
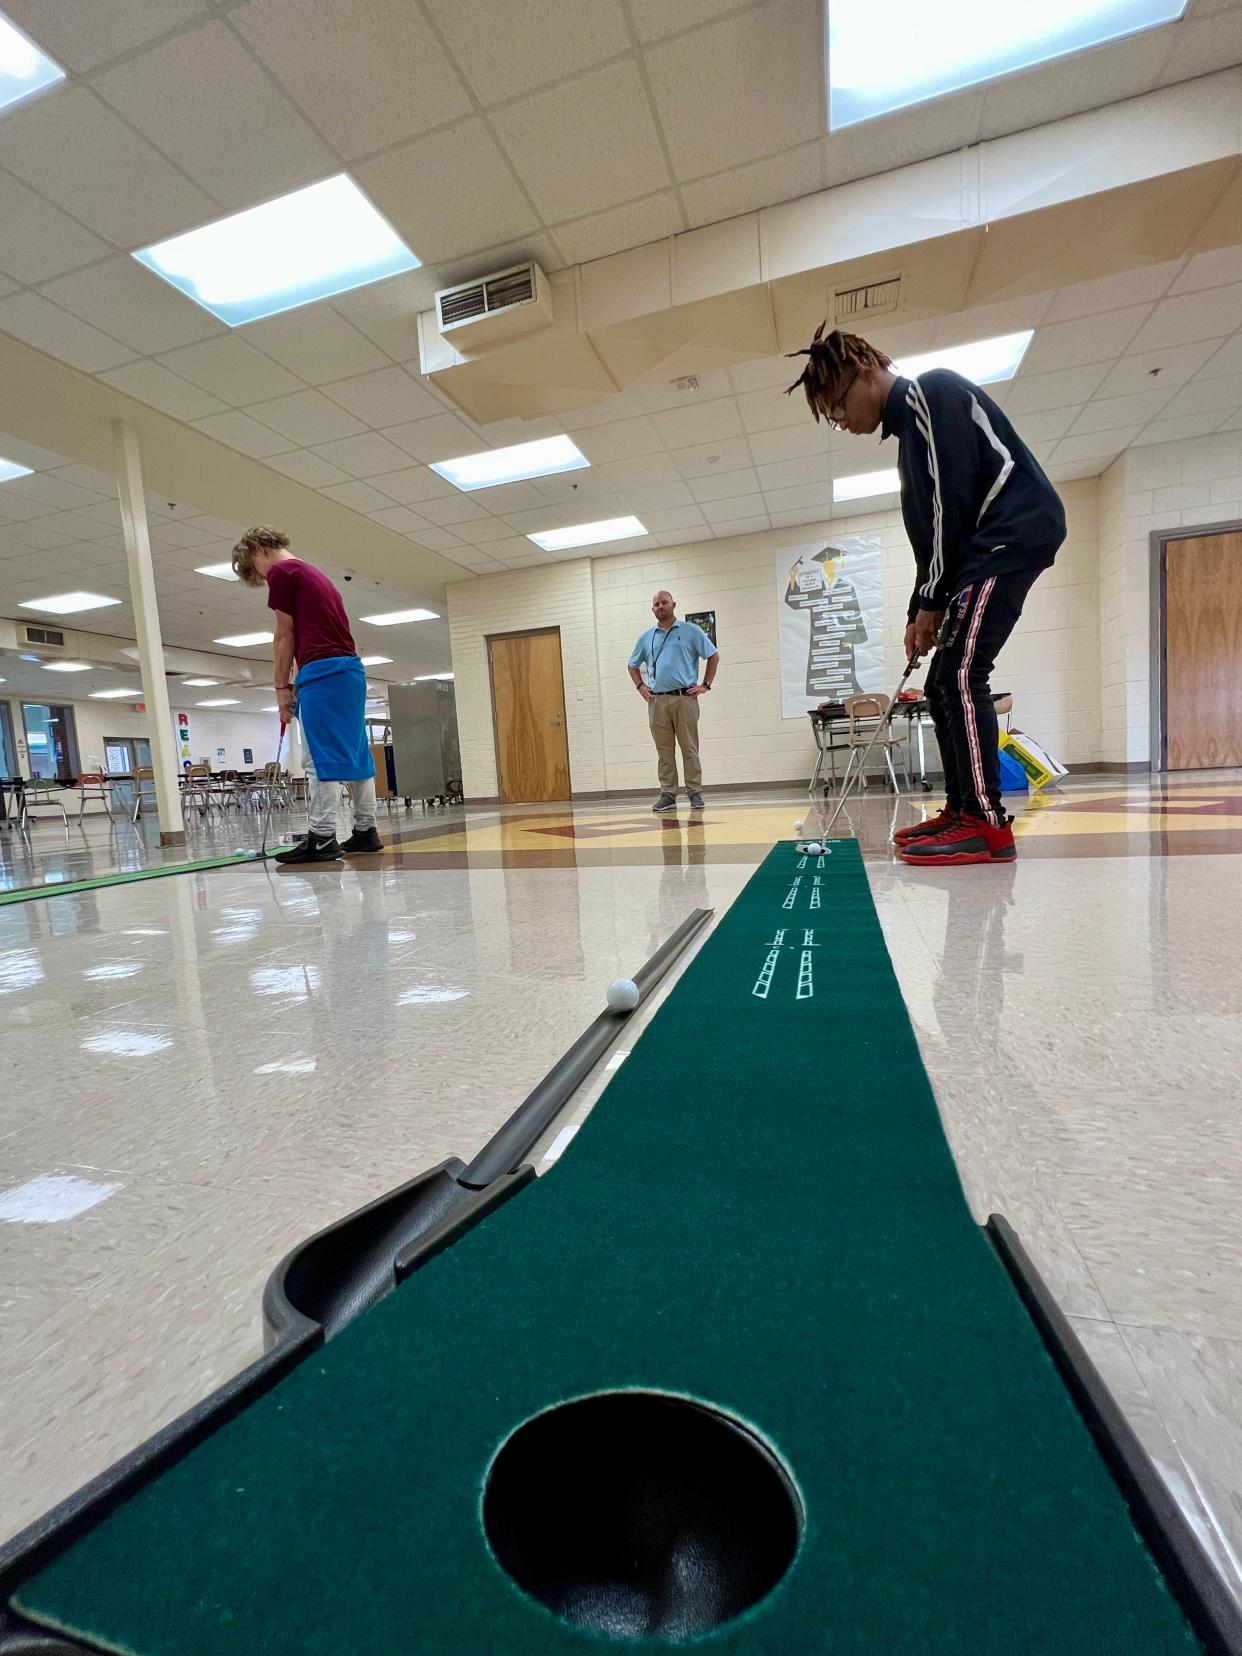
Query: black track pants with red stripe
(959, 696)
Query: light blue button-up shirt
(672, 658)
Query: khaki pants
(675, 719)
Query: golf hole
(641, 1515)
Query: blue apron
(331, 704)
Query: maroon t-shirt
(320, 625)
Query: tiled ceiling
(60, 531)
(489, 130)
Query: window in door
(8, 747)
(51, 741)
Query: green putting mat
(761, 1213)
(68, 888)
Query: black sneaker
(666, 802)
(362, 839)
(696, 801)
(312, 849)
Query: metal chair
(144, 789)
(40, 791)
(861, 710)
(94, 785)
(197, 790)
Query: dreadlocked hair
(834, 362)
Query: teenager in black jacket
(984, 522)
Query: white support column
(147, 627)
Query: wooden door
(528, 710)
(1203, 652)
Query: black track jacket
(974, 498)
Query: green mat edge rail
(96, 882)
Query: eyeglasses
(836, 412)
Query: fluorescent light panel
(116, 695)
(24, 69)
(218, 572)
(376, 661)
(882, 58)
(589, 534)
(863, 484)
(397, 618)
(986, 361)
(66, 667)
(309, 245)
(241, 641)
(9, 469)
(220, 701)
(542, 458)
(200, 684)
(426, 678)
(68, 603)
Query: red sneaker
(944, 818)
(968, 840)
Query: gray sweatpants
(325, 798)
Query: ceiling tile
(482, 206)
(483, 531)
(907, 135)
(1089, 339)
(818, 495)
(359, 497)
(439, 540)
(185, 536)
(702, 423)
(87, 477)
(725, 485)
(631, 225)
(364, 456)
(1113, 413)
(1208, 270)
(505, 497)
(304, 467)
(77, 526)
(1068, 385)
(570, 486)
(203, 100)
(368, 74)
(662, 498)
(771, 409)
(1191, 317)
(794, 442)
(620, 440)
(53, 492)
(590, 143)
(126, 300)
(1202, 397)
(82, 155)
(39, 240)
(1133, 375)
(1223, 358)
(1201, 44)
(552, 41)
(455, 508)
(316, 343)
(1094, 445)
(239, 431)
(232, 370)
(387, 312)
(737, 506)
(785, 177)
(412, 484)
(1082, 80)
(40, 323)
(663, 523)
(33, 537)
(644, 471)
(745, 526)
(1107, 293)
(168, 392)
(560, 515)
(1174, 431)
(445, 437)
(705, 459)
(1047, 426)
(82, 34)
(653, 19)
(812, 468)
(385, 397)
(772, 373)
(745, 87)
(399, 518)
(308, 417)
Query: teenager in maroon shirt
(330, 698)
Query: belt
(668, 692)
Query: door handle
(558, 724)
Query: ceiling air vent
(45, 635)
(857, 304)
(501, 306)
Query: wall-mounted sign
(705, 619)
(831, 611)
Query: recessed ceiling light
(116, 695)
(66, 666)
(425, 678)
(9, 469)
(68, 603)
(272, 709)
(396, 618)
(24, 69)
(199, 684)
(986, 361)
(542, 458)
(220, 701)
(589, 534)
(863, 484)
(322, 240)
(219, 572)
(376, 661)
(882, 58)
(240, 641)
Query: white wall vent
(857, 304)
(498, 307)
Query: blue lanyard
(656, 654)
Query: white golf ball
(798, 826)
(815, 849)
(622, 995)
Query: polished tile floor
(200, 1070)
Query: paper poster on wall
(830, 597)
(183, 737)
(706, 619)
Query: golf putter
(271, 796)
(862, 764)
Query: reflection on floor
(202, 1069)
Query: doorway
(51, 742)
(124, 756)
(1201, 608)
(8, 747)
(528, 714)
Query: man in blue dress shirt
(671, 651)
